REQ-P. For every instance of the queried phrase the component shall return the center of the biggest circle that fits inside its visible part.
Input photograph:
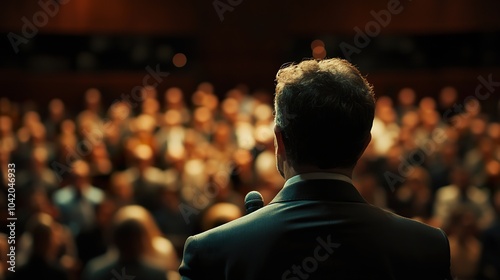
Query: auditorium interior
(162, 111)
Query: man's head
(324, 114)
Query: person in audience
(155, 249)
(66, 250)
(465, 248)
(414, 197)
(92, 243)
(489, 266)
(461, 192)
(77, 202)
(448, 97)
(219, 214)
(128, 237)
(146, 179)
(406, 102)
(41, 261)
(39, 175)
(385, 129)
(57, 114)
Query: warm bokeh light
(179, 60)
(319, 52)
(317, 43)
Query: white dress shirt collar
(317, 176)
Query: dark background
(108, 44)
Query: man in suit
(319, 226)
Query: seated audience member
(447, 98)
(120, 189)
(219, 214)
(461, 192)
(92, 243)
(8, 139)
(145, 178)
(414, 197)
(77, 201)
(406, 102)
(157, 250)
(38, 175)
(489, 267)
(41, 262)
(171, 216)
(64, 244)
(57, 114)
(385, 130)
(129, 238)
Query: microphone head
(253, 201)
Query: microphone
(253, 201)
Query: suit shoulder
(416, 230)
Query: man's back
(318, 229)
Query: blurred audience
(115, 186)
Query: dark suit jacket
(318, 229)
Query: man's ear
(279, 146)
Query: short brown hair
(325, 112)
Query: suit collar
(321, 190)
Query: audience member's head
(81, 174)
(128, 237)
(460, 177)
(406, 97)
(41, 228)
(219, 214)
(447, 97)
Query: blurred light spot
(317, 43)
(202, 114)
(179, 60)
(206, 87)
(319, 52)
